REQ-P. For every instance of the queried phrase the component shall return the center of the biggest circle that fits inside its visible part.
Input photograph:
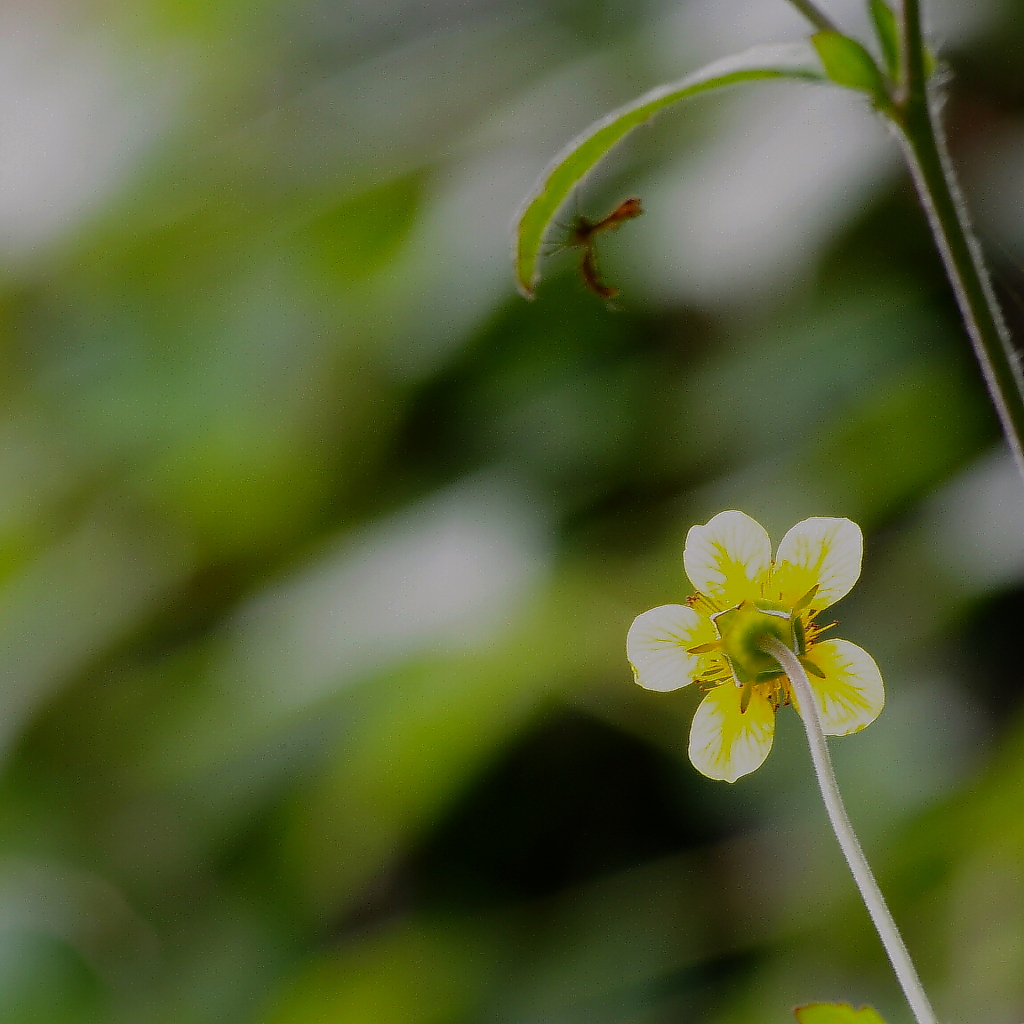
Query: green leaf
(836, 1013)
(848, 64)
(888, 35)
(790, 60)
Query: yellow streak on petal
(729, 558)
(818, 552)
(657, 646)
(851, 694)
(725, 743)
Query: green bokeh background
(319, 545)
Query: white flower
(714, 639)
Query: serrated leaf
(848, 64)
(888, 33)
(579, 157)
(836, 1013)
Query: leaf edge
(794, 61)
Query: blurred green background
(319, 545)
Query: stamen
(715, 676)
(814, 630)
(787, 691)
(704, 603)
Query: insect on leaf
(790, 60)
(583, 234)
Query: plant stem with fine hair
(895, 947)
(818, 18)
(915, 118)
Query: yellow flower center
(742, 631)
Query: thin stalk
(893, 942)
(819, 19)
(915, 117)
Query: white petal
(657, 644)
(852, 693)
(726, 743)
(820, 552)
(729, 558)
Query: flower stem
(915, 117)
(893, 942)
(818, 18)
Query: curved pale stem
(895, 947)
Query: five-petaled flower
(715, 639)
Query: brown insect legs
(583, 235)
